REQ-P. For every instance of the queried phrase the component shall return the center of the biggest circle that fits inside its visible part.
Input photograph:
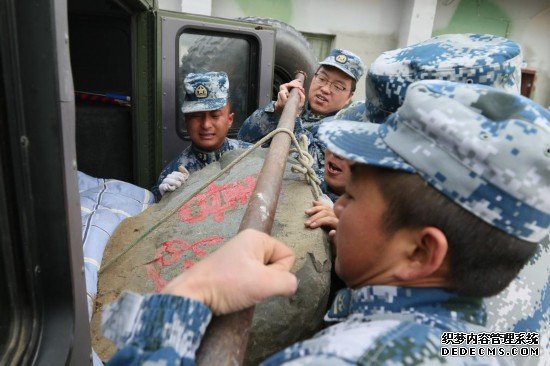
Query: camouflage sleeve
(354, 112)
(183, 159)
(312, 360)
(260, 123)
(238, 144)
(171, 167)
(156, 329)
(317, 151)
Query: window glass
(200, 52)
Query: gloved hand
(173, 180)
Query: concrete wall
(174, 5)
(417, 20)
(365, 27)
(369, 27)
(526, 22)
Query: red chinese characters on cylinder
(217, 200)
(170, 252)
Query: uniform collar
(376, 300)
(307, 114)
(208, 157)
(328, 191)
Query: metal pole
(226, 337)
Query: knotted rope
(304, 158)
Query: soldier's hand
(173, 180)
(321, 215)
(284, 92)
(249, 268)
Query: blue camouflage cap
(487, 150)
(205, 92)
(346, 61)
(466, 58)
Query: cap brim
(203, 106)
(360, 142)
(339, 67)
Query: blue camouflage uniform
(372, 325)
(328, 192)
(193, 159)
(264, 120)
(485, 149)
(466, 58)
(203, 92)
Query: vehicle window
(202, 52)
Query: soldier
(336, 174)
(466, 58)
(446, 203)
(208, 117)
(331, 89)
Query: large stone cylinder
(204, 223)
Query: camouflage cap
(487, 150)
(467, 58)
(205, 92)
(346, 61)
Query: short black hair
(483, 260)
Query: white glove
(173, 180)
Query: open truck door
(51, 51)
(43, 315)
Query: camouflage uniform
(485, 149)
(168, 329)
(193, 159)
(328, 192)
(264, 120)
(466, 58)
(203, 92)
(525, 304)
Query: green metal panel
(138, 5)
(148, 85)
(169, 26)
(478, 16)
(145, 107)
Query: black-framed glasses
(335, 86)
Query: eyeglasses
(335, 86)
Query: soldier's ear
(230, 118)
(426, 257)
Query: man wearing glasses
(331, 89)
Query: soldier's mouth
(321, 98)
(333, 168)
(207, 136)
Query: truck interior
(126, 128)
(101, 58)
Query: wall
(365, 27)
(369, 27)
(526, 22)
(174, 5)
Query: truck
(95, 86)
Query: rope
(306, 161)
(304, 158)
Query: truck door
(43, 314)
(189, 43)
